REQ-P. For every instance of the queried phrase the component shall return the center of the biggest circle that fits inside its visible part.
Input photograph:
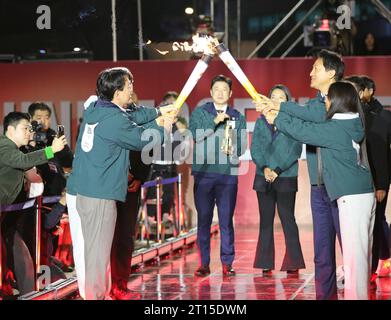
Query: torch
(232, 65)
(197, 73)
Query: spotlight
(189, 10)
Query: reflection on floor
(172, 278)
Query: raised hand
(58, 144)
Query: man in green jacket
(13, 162)
(216, 172)
(327, 69)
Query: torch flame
(200, 44)
(162, 52)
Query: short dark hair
(284, 89)
(222, 78)
(38, 106)
(357, 81)
(343, 98)
(368, 83)
(14, 118)
(332, 61)
(110, 80)
(170, 94)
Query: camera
(39, 136)
(60, 131)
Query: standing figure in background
(275, 156)
(164, 165)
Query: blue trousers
(326, 228)
(207, 193)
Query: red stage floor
(172, 278)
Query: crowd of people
(347, 133)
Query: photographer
(13, 163)
(53, 176)
(52, 172)
(13, 166)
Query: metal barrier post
(182, 223)
(38, 241)
(158, 209)
(176, 210)
(142, 213)
(145, 229)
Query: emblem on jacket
(87, 141)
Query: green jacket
(207, 154)
(143, 115)
(314, 111)
(275, 150)
(343, 174)
(140, 115)
(13, 164)
(101, 163)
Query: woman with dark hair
(275, 156)
(346, 176)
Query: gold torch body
(227, 143)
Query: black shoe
(118, 293)
(267, 271)
(202, 271)
(293, 272)
(228, 270)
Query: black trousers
(265, 254)
(123, 241)
(381, 235)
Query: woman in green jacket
(346, 176)
(275, 156)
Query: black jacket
(52, 173)
(378, 132)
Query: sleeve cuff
(49, 153)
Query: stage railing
(178, 217)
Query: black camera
(39, 136)
(60, 131)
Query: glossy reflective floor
(172, 278)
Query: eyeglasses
(28, 128)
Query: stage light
(76, 49)
(325, 25)
(189, 10)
